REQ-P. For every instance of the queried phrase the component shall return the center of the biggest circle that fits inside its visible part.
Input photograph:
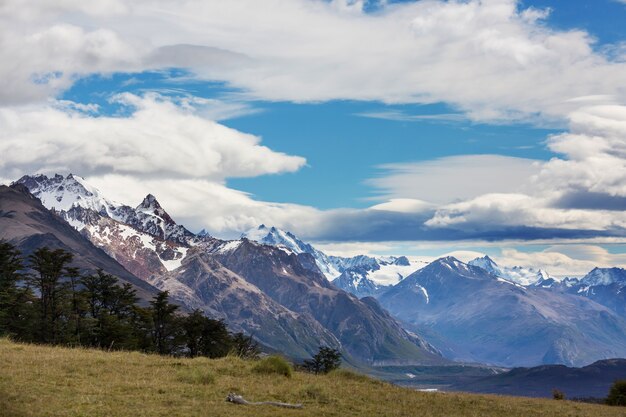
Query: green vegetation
(325, 360)
(273, 365)
(617, 393)
(38, 380)
(45, 300)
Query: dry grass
(45, 381)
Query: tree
(112, 312)
(193, 329)
(617, 393)
(164, 332)
(245, 346)
(51, 267)
(326, 360)
(15, 301)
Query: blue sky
(413, 127)
(343, 146)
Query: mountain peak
(150, 202)
(604, 276)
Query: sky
(416, 128)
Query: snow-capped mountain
(74, 199)
(606, 286)
(276, 237)
(474, 315)
(144, 239)
(604, 276)
(273, 293)
(361, 275)
(516, 274)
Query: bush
(557, 394)
(274, 365)
(326, 360)
(617, 393)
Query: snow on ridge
(229, 246)
(517, 274)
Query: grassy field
(45, 381)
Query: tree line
(43, 299)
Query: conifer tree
(51, 267)
(15, 301)
(164, 331)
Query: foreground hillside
(40, 381)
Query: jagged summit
(604, 276)
(80, 203)
(150, 203)
(516, 274)
(361, 274)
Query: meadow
(55, 381)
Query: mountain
(517, 274)
(606, 286)
(360, 275)
(28, 225)
(473, 315)
(276, 294)
(592, 381)
(75, 200)
(145, 239)
(276, 237)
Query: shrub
(557, 394)
(326, 360)
(617, 393)
(274, 365)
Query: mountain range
(280, 297)
(516, 316)
(379, 310)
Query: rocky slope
(26, 223)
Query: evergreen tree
(164, 320)
(245, 347)
(324, 361)
(15, 301)
(617, 393)
(111, 312)
(51, 267)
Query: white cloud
(199, 203)
(485, 57)
(560, 260)
(497, 211)
(455, 178)
(594, 150)
(160, 139)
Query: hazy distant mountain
(590, 381)
(606, 286)
(517, 274)
(473, 315)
